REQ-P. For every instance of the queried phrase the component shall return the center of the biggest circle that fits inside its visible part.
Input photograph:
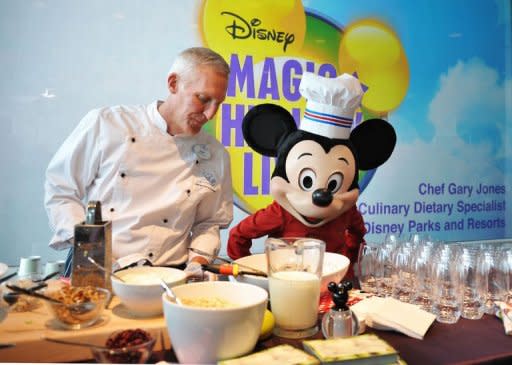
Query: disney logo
(242, 29)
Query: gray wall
(86, 55)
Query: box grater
(93, 238)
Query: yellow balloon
(387, 88)
(264, 28)
(373, 50)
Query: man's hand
(193, 270)
(199, 259)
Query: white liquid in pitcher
(294, 297)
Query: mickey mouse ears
(265, 125)
(331, 104)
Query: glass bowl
(126, 347)
(83, 305)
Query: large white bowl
(141, 293)
(206, 335)
(335, 267)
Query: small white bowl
(141, 293)
(206, 335)
(335, 267)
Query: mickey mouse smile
(312, 220)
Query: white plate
(3, 268)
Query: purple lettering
(229, 123)
(291, 84)
(268, 84)
(358, 119)
(296, 115)
(265, 175)
(249, 189)
(310, 66)
(241, 75)
(327, 70)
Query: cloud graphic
(469, 93)
(470, 105)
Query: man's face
(196, 99)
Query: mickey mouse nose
(322, 197)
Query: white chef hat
(331, 104)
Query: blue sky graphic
(436, 36)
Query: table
(466, 342)
(26, 329)
(480, 341)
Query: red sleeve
(356, 230)
(259, 224)
(354, 236)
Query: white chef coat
(162, 193)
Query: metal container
(340, 321)
(93, 238)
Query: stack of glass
(450, 280)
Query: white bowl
(207, 335)
(141, 293)
(335, 267)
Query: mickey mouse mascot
(315, 181)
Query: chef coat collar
(156, 117)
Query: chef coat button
(133, 139)
(197, 161)
(165, 220)
(188, 191)
(123, 175)
(112, 209)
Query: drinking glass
(446, 286)
(422, 266)
(54, 266)
(403, 278)
(384, 269)
(495, 274)
(392, 239)
(508, 267)
(294, 275)
(367, 267)
(474, 283)
(30, 267)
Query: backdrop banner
(445, 85)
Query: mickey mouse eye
(334, 182)
(307, 179)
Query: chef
(163, 182)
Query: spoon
(77, 309)
(47, 277)
(83, 344)
(8, 277)
(170, 293)
(104, 269)
(12, 297)
(30, 293)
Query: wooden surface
(26, 330)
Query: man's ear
(172, 82)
